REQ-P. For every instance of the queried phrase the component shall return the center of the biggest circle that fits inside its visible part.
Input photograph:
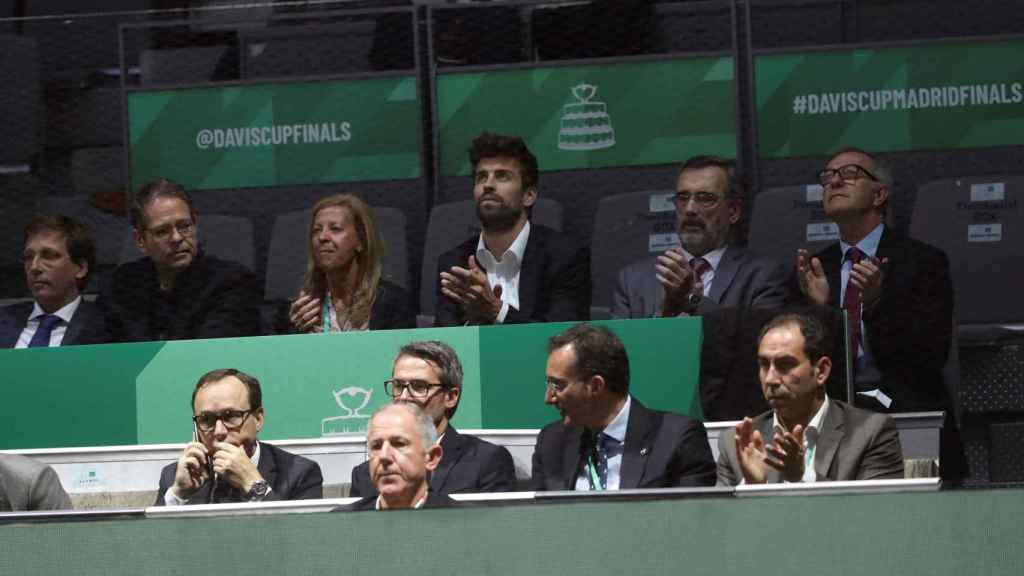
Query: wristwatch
(693, 302)
(258, 491)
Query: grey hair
(424, 425)
(881, 167)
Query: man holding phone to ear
(224, 462)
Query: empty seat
(628, 227)
(220, 235)
(183, 65)
(331, 49)
(451, 224)
(785, 219)
(20, 103)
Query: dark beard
(501, 220)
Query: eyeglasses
(848, 173)
(184, 227)
(232, 419)
(417, 388)
(557, 384)
(703, 199)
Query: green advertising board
(314, 385)
(944, 95)
(276, 134)
(600, 115)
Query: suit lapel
(642, 424)
(832, 262)
(772, 476)
(571, 456)
(725, 274)
(12, 323)
(268, 464)
(531, 270)
(828, 440)
(74, 330)
(453, 445)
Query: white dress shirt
(504, 271)
(810, 439)
(617, 430)
(57, 334)
(171, 499)
(714, 258)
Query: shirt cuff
(502, 314)
(171, 499)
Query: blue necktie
(599, 458)
(41, 339)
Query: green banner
(314, 385)
(948, 95)
(276, 134)
(620, 114)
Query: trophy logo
(351, 400)
(585, 123)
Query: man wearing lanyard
(806, 436)
(606, 439)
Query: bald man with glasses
(225, 462)
(429, 375)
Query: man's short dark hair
(599, 352)
(737, 188)
(77, 237)
(490, 145)
(441, 355)
(251, 384)
(159, 188)
(817, 342)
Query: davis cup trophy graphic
(585, 125)
(351, 399)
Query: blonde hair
(368, 259)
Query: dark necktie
(41, 339)
(851, 303)
(599, 459)
(699, 266)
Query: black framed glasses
(417, 388)
(232, 419)
(848, 173)
(703, 199)
(185, 228)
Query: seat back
(226, 237)
(785, 219)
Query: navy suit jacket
(290, 477)
(662, 450)
(909, 329)
(743, 279)
(87, 326)
(468, 464)
(554, 281)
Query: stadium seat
(220, 235)
(785, 219)
(20, 103)
(111, 232)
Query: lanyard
(327, 313)
(595, 481)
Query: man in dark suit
(59, 257)
(175, 292)
(813, 438)
(402, 443)
(709, 270)
(29, 485)
(429, 375)
(606, 439)
(513, 272)
(224, 462)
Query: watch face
(259, 489)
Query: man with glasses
(429, 375)
(709, 270)
(224, 462)
(176, 292)
(605, 438)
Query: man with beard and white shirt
(513, 272)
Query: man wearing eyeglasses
(429, 375)
(709, 270)
(176, 292)
(605, 438)
(224, 462)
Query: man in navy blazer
(606, 439)
(514, 272)
(709, 270)
(59, 257)
(429, 375)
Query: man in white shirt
(59, 257)
(513, 272)
(806, 436)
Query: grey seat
(21, 103)
(627, 227)
(226, 237)
(110, 232)
(287, 256)
(450, 224)
(785, 219)
(328, 49)
(180, 65)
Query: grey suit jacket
(853, 444)
(29, 485)
(743, 279)
(87, 326)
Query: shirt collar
(813, 427)
(617, 427)
(419, 503)
(867, 244)
(514, 252)
(256, 456)
(64, 313)
(713, 258)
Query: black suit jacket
(290, 477)
(662, 450)
(213, 298)
(392, 309)
(468, 464)
(554, 281)
(909, 329)
(87, 326)
(434, 500)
